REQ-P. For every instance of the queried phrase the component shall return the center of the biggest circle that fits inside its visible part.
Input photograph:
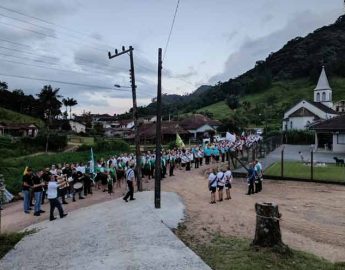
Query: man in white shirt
(130, 177)
(53, 198)
(228, 180)
(212, 185)
(220, 185)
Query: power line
(171, 29)
(63, 82)
(21, 51)
(27, 58)
(15, 43)
(50, 23)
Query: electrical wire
(63, 82)
(171, 29)
(15, 43)
(25, 52)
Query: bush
(55, 142)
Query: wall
(338, 148)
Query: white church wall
(299, 123)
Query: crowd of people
(77, 180)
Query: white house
(305, 113)
(200, 125)
(77, 127)
(330, 134)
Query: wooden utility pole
(158, 134)
(282, 163)
(311, 164)
(135, 111)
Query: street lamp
(121, 86)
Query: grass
(9, 240)
(298, 170)
(220, 110)
(230, 253)
(8, 116)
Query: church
(305, 113)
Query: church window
(323, 96)
(318, 97)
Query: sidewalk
(110, 235)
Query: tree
(49, 102)
(233, 102)
(3, 86)
(69, 102)
(50, 105)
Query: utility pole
(135, 111)
(158, 167)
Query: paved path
(110, 235)
(291, 154)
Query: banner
(230, 137)
(179, 143)
(92, 162)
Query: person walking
(259, 173)
(53, 198)
(130, 177)
(228, 181)
(220, 184)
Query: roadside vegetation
(9, 240)
(230, 253)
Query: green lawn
(298, 170)
(228, 253)
(220, 110)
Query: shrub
(299, 137)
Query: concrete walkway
(110, 235)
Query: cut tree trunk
(267, 233)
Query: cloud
(253, 50)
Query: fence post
(311, 164)
(282, 163)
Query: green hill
(8, 116)
(273, 84)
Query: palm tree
(66, 104)
(69, 102)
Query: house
(127, 123)
(147, 132)
(77, 127)
(305, 113)
(200, 125)
(18, 130)
(330, 134)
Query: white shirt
(228, 176)
(81, 169)
(52, 190)
(211, 179)
(130, 175)
(221, 178)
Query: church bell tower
(323, 92)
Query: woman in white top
(220, 185)
(228, 181)
(212, 185)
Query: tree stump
(267, 232)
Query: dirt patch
(312, 221)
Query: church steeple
(323, 92)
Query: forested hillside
(283, 78)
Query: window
(318, 97)
(341, 138)
(323, 96)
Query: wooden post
(158, 134)
(267, 232)
(311, 164)
(282, 164)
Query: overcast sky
(68, 41)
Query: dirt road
(313, 214)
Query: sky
(51, 42)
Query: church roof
(323, 107)
(323, 81)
